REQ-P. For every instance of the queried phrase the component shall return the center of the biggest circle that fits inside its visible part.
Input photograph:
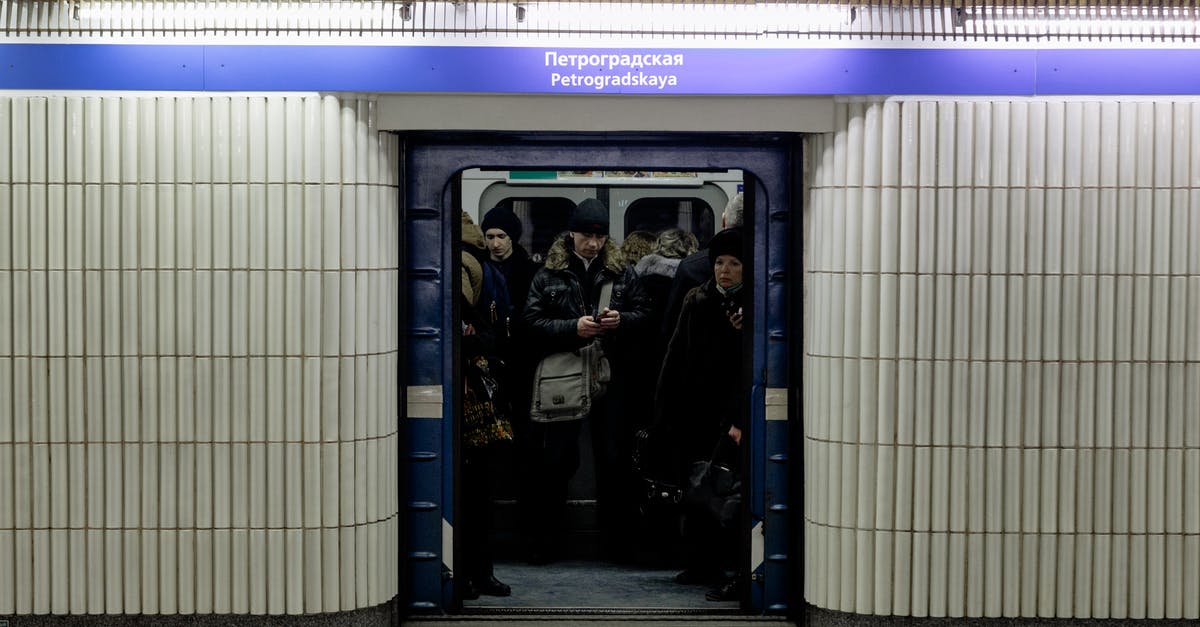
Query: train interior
(584, 576)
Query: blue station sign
(678, 71)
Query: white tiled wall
(198, 355)
(1002, 401)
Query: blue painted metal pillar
(770, 522)
(425, 492)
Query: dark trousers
(616, 483)
(551, 457)
(477, 512)
(708, 546)
(552, 451)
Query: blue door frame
(430, 163)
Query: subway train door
(431, 164)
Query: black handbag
(714, 489)
(653, 470)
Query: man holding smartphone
(563, 313)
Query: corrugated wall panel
(1002, 414)
(187, 402)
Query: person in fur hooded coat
(562, 313)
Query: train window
(637, 200)
(657, 214)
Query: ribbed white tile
(121, 327)
(1099, 213)
(256, 562)
(239, 571)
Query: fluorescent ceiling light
(228, 11)
(651, 16)
(1083, 20)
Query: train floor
(591, 585)
(594, 620)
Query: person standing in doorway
(486, 432)
(699, 407)
(562, 313)
(502, 230)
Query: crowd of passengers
(671, 332)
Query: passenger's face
(498, 243)
(727, 271)
(588, 245)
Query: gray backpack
(566, 384)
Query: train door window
(658, 214)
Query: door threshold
(599, 611)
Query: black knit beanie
(590, 216)
(727, 242)
(504, 219)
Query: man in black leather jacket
(562, 314)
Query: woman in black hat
(698, 405)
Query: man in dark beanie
(502, 233)
(590, 216)
(504, 220)
(562, 313)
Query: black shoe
(493, 587)
(727, 592)
(469, 591)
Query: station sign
(541, 70)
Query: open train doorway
(566, 502)
(644, 187)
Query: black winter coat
(694, 270)
(557, 301)
(655, 273)
(518, 271)
(699, 391)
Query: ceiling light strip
(734, 20)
